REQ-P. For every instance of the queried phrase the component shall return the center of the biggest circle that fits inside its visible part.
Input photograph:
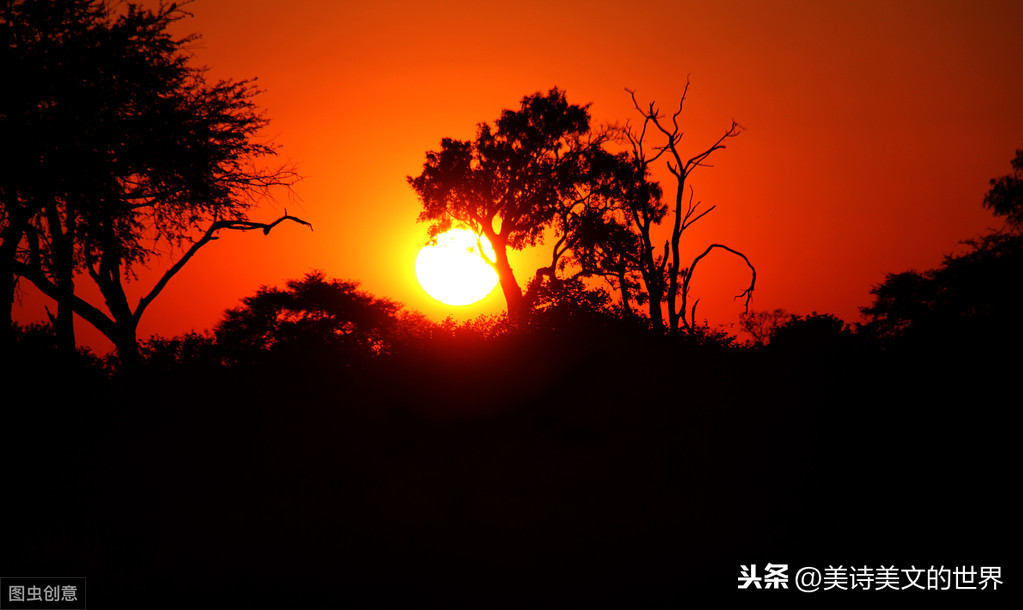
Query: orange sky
(872, 129)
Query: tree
(138, 154)
(511, 183)
(611, 236)
(43, 56)
(545, 169)
(816, 333)
(567, 304)
(331, 320)
(1005, 198)
(762, 325)
(972, 297)
(666, 270)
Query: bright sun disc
(453, 272)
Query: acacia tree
(140, 155)
(44, 50)
(311, 314)
(511, 183)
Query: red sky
(871, 131)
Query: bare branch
(688, 276)
(210, 235)
(483, 254)
(697, 161)
(681, 100)
(33, 272)
(690, 208)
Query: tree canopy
(1005, 198)
(332, 318)
(132, 152)
(512, 181)
(545, 171)
(972, 297)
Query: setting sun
(453, 272)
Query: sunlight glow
(453, 272)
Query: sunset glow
(490, 304)
(859, 155)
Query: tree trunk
(651, 273)
(624, 289)
(63, 269)
(9, 240)
(656, 314)
(64, 324)
(126, 342)
(124, 331)
(7, 250)
(509, 285)
(675, 266)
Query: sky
(870, 132)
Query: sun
(453, 272)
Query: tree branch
(83, 308)
(748, 292)
(210, 235)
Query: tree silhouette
(761, 325)
(611, 236)
(543, 168)
(815, 333)
(667, 277)
(566, 304)
(44, 60)
(972, 297)
(511, 183)
(134, 153)
(313, 315)
(1006, 195)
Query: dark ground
(556, 471)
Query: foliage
(513, 181)
(168, 353)
(761, 325)
(568, 304)
(1005, 198)
(508, 181)
(815, 333)
(331, 318)
(972, 298)
(543, 170)
(610, 237)
(131, 153)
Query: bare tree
(685, 211)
